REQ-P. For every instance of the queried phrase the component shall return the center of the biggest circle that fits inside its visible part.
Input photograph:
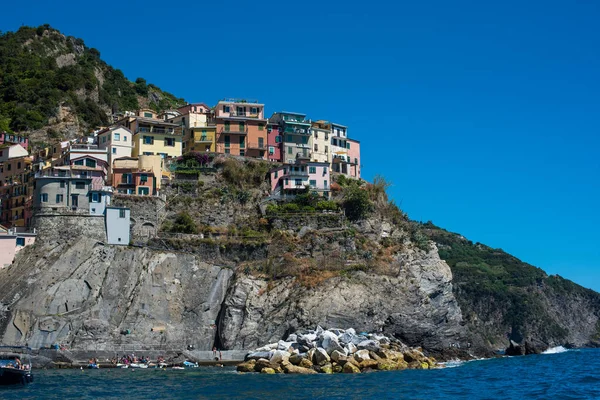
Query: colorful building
(274, 142)
(69, 187)
(153, 136)
(15, 186)
(14, 138)
(354, 158)
(241, 128)
(11, 242)
(289, 180)
(198, 127)
(137, 176)
(321, 142)
(117, 141)
(295, 130)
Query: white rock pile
(334, 350)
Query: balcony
(234, 131)
(297, 173)
(204, 139)
(154, 129)
(297, 131)
(257, 146)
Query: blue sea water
(573, 374)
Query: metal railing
(235, 131)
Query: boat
(136, 365)
(188, 364)
(14, 371)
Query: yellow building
(153, 136)
(202, 139)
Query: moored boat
(13, 371)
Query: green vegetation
(307, 202)
(184, 223)
(243, 174)
(41, 69)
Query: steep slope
(54, 86)
(502, 297)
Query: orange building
(241, 128)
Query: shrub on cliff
(184, 223)
(357, 204)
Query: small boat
(93, 366)
(176, 367)
(188, 364)
(13, 371)
(136, 365)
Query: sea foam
(555, 350)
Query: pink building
(11, 242)
(354, 158)
(13, 138)
(291, 179)
(274, 142)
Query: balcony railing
(45, 174)
(257, 146)
(154, 129)
(297, 131)
(234, 131)
(204, 139)
(301, 173)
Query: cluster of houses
(131, 156)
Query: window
(124, 138)
(261, 127)
(148, 153)
(148, 140)
(148, 115)
(289, 150)
(95, 197)
(313, 183)
(242, 127)
(356, 160)
(287, 181)
(144, 178)
(334, 141)
(227, 151)
(117, 137)
(226, 126)
(288, 138)
(326, 149)
(226, 109)
(276, 174)
(62, 184)
(316, 147)
(114, 150)
(78, 162)
(324, 170)
(121, 213)
(79, 185)
(103, 141)
(59, 198)
(242, 142)
(277, 139)
(44, 197)
(242, 152)
(19, 165)
(170, 142)
(347, 145)
(144, 191)
(20, 241)
(91, 163)
(227, 141)
(298, 182)
(9, 165)
(271, 150)
(254, 110)
(325, 184)
(312, 170)
(241, 111)
(126, 178)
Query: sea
(558, 374)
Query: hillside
(53, 86)
(502, 297)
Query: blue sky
(484, 116)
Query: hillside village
(144, 150)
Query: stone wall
(147, 213)
(295, 222)
(65, 226)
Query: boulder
(263, 363)
(296, 358)
(351, 348)
(320, 357)
(326, 369)
(329, 342)
(374, 356)
(337, 368)
(362, 355)
(307, 340)
(350, 368)
(292, 338)
(246, 366)
(338, 356)
(413, 355)
(386, 365)
(305, 363)
(319, 330)
(337, 332)
(259, 354)
(267, 371)
(414, 365)
(368, 364)
(279, 356)
(371, 345)
(285, 346)
(292, 369)
(515, 349)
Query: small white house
(117, 221)
(100, 199)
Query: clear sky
(484, 115)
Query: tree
(356, 203)
(141, 87)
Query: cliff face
(88, 295)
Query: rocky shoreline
(335, 351)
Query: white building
(117, 141)
(117, 225)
